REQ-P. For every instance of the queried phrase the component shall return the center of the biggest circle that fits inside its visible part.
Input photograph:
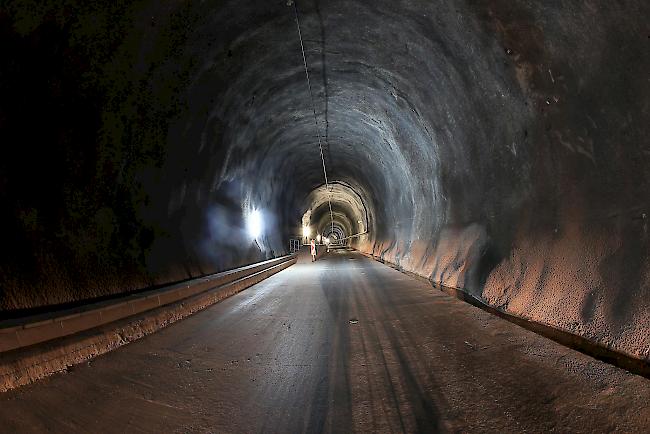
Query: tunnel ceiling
(398, 89)
(485, 140)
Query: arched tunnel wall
(499, 146)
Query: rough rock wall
(100, 193)
(557, 231)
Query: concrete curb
(35, 329)
(68, 339)
(579, 343)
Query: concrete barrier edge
(39, 330)
(27, 364)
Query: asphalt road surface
(345, 344)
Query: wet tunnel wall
(497, 146)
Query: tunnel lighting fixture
(254, 224)
(305, 231)
(327, 240)
(318, 238)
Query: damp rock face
(498, 146)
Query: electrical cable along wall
(313, 105)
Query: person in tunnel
(312, 245)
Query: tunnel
(496, 148)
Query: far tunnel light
(254, 224)
(305, 231)
(318, 238)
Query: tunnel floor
(345, 344)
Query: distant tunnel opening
(349, 215)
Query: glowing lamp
(254, 224)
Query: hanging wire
(313, 106)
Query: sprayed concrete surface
(343, 345)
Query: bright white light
(305, 231)
(327, 240)
(318, 238)
(254, 224)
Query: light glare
(254, 224)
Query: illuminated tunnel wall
(497, 146)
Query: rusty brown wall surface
(567, 282)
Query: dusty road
(342, 345)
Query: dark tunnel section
(499, 147)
